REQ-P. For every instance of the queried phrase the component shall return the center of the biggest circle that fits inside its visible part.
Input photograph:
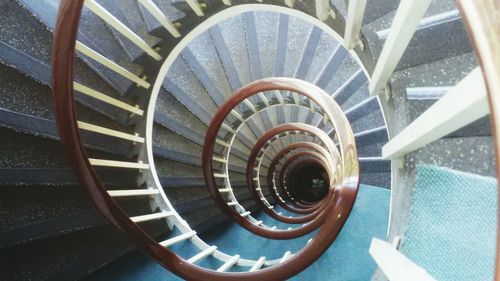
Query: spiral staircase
(235, 140)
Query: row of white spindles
(452, 112)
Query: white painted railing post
(322, 9)
(354, 21)
(462, 105)
(402, 29)
(196, 7)
(111, 65)
(395, 265)
(107, 99)
(160, 17)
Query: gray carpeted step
(171, 146)
(374, 10)
(27, 106)
(93, 33)
(375, 171)
(39, 157)
(437, 37)
(366, 122)
(444, 72)
(419, 99)
(349, 94)
(457, 153)
(32, 56)
(71, 256)
(370, 142)
(382, 179)
(384, 22)
(344, 72)
(62, 176)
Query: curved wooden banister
(482, 22)
(287, 84)
(270, 181)
(334, 215)
(310, 212)
(252, 161)
(314, 211)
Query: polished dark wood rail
(303, 156)
(336, 212)
(272, 167)
(482, 22)
(251, 164)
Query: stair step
(93, 33)
(374, 165)
(59, 176)
(332, 67)
(90, 249)
(201, 74)
(39, 48)
(368, 121)
(40, 72)
(364, 108)
(48, 211)
(128, 13)
(350, 87)
(198, 110)
(437, 37)
(372, 136)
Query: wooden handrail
(62, 84)
(270, 184)
(482, 22)
(313, 211)
(270, 176)
(288, 84)
(251, 164)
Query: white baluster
(354, 21)
(403, 27)
(160, 17)
(120, 27)
(462, 105)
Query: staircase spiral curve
(339, 160)
(323, 139)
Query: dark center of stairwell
(309, 183)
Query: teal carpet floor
(346, 260)
(452, 225)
